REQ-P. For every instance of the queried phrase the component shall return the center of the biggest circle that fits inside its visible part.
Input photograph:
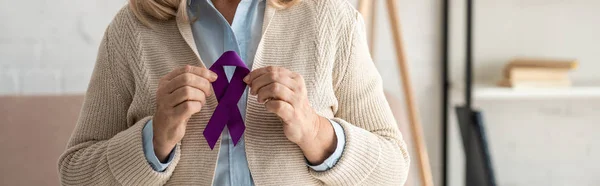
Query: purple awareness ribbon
(228, 94)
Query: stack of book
(538, 73)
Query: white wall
(50, 46)
(532, 141)
(546, 28)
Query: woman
(314, 109)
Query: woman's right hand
(180, 94)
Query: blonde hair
(168, 9)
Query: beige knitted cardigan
(324, 40)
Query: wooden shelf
(494, 92)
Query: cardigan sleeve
(375, 153)
(105, 148)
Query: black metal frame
(469, 56)
(445, 75)
(445, 88)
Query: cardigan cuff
(127, 161)
(147, 135)
(360, 157)
(339, 149)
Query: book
(541, 74)
(566, 64)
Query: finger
(275, 91)
(187, 109)
(283, 78)
(186, 93)
(200, 71)
(258, 72)
(298, 78)
(189, 79)
(281, 108)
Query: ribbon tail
(215, 125)
(236, 125)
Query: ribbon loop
(228, 94)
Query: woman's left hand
(284, 93)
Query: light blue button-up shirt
(213, 35)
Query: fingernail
(246, 79)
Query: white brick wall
(49, 47)
(9, 81)
(76, 79)
(40, 80)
